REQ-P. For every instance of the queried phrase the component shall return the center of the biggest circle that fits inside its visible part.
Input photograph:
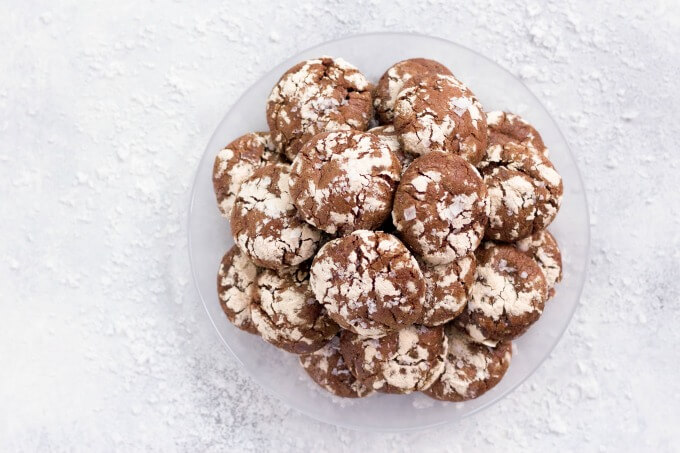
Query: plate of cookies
(398, 229)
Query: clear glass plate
(278, 372)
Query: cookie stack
(399, 258)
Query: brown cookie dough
(391, 138)
(542, 247)
(401, 362)
(392, 81)
(441, 207)
(327, 368)
(447, 289)
(439, 113)
(265, 223)
(507, 296)
(507, 127)
(323, 94)
(237, 161)
(525, 191)
(286, 314)
(344, 181)
(369, 282)
(470, 368)
(236, 288)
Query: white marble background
(105, 109)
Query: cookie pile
(396, 258)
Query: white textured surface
(105, 109)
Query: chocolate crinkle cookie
(447, 289)
(401, 362)
(265, 223)
(439, 113)
(344, 181)
(392, 81)
(327, 368)
(470, 368)
(323, 94)
(507, 296)
(507, 127)
(236, 288)
(286, 314)
(369, 282)
(441, 207)
(237, 161)
(525, 191)
(543, 248)
(389, 135)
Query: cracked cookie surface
(507, 127)
(286, 314)
(401, 362)
(507, 296)
(265, 223)
(542, 247)
(237, 161)
(441, 207)
(317, 95)
(392, 82)
(344, 181)
(328, 369)
(236, 288)
(447, 289)
(369, 282)
(470, 368)
(389, 135)
(440, 113)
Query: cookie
(439, 113)
(323, 94)
(236, 288)
(470, 369)
(525, 191)
(401, 362)
(344, 181)
(506, 127)
(265, 223)
(286, 314)
(441, 207)
(507, 296)
(391, 138)
(542, 247)
(447, 289)
(327, 368)
(237, 161)
(369, 282)
(392, 81)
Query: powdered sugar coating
(369, 282)
(389, 135)
(344, 181)
(447, 291)
(470, 368)
(318, 95)
(401, 362)
(440, 113)
(543, 247)
(505, 127)
(286, 314)
(236, 288)
(265, 223)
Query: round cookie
(405, 361)
(236, 288)
(344, 181)
(505, 127)
(318, 95)
(447, 289)
(265, 223)
(237, 161)
(439, 113)
(392, 81)
(507, 296)
(327, 368)
(286, 314)
(391, 138)
(542, 247)
(470, 368)
(369, 282)
(441, 207)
